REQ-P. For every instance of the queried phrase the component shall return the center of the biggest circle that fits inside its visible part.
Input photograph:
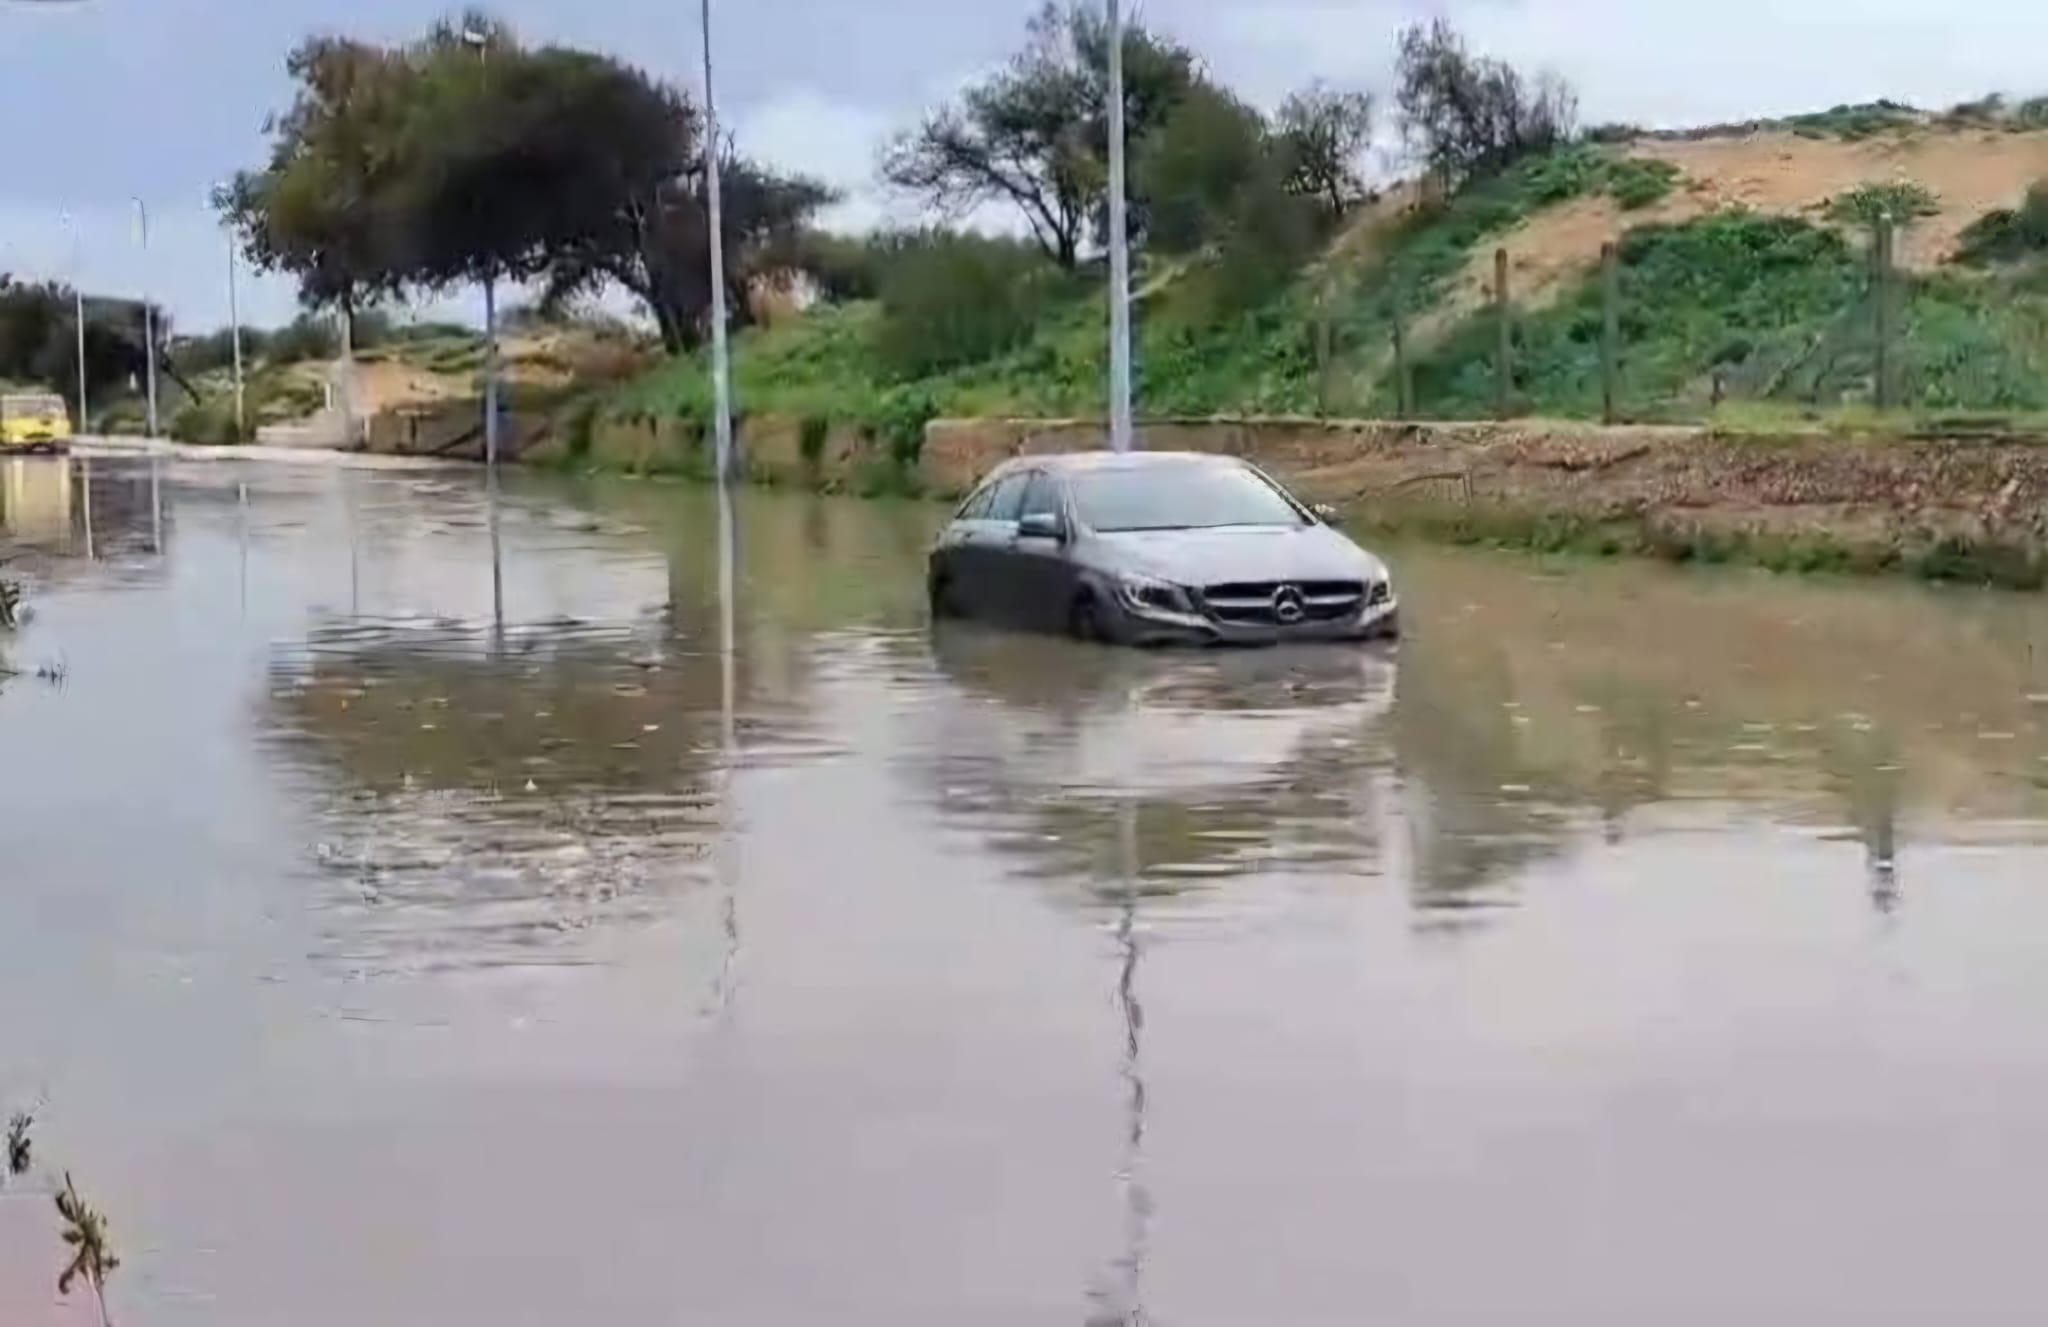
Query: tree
(436, 164)
(320, 210)
(1469, 115)
(1192, 170)
(19, 1144)
(1325, 134)
(1035, 137)
(39, 337)
(92, 1252)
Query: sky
(104, 102)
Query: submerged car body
(1155, 548)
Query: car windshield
(1179, 497)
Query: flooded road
(1632, 946)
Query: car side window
(976, 507)
(1042, 498)
(1007, 500)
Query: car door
(984, 548)
(951, 550)
(1040, 571)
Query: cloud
(185, 268)
(1676, 65)
(835, 142)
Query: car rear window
(22, 406)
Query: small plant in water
(92, 1250)
(19, 1144)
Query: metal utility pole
(1503, 351)
(1610, 334)
(481, 41)
(1121, 433)
(235, 337)
(78, 319)
(721, 352)
(1881, 297)
(148, 317)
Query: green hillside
(1724, 310)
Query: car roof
(1070, 463)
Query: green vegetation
(2008, 235)
(92, 1258)
(1772, 309)
(1855, 122)
(415, 168)
(1902, 204)
(1947, 558)
(1733, 290)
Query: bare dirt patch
(1971, 172)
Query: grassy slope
(1777, 308)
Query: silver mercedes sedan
(1155, 548)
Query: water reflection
(57, 508)
(490, 802)
(1228, 764)
(1042, 981)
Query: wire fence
(1842, 332)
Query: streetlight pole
(148, 316)
(721, 355)
(1120, 429)
(481, 42)
(78, 318)
(235, 339)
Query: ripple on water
(487, 801)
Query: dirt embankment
(1970, 172)
(1874, 501)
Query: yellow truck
(34, 422)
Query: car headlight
(1149, 594)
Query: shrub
(1636, 183)
(2008, 234)
(207, 422)
(1855, 122)
(955, 299)
(899, 425)
(1903, 202)
(814, 433)
(1614, 133)
(2031, 113)
(308, 336)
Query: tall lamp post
(148, 316)
(235, 335)
(78, 317)
(1121, 432)
(480, 41)
(721, 360)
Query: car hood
(1239, 553)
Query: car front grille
(1258, 603)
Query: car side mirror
(1043, 525)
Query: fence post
(1325, 347)
(1404, 385)
(1503, 383)
(1880, 286)
(1610, 333)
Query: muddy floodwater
(641, 935)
